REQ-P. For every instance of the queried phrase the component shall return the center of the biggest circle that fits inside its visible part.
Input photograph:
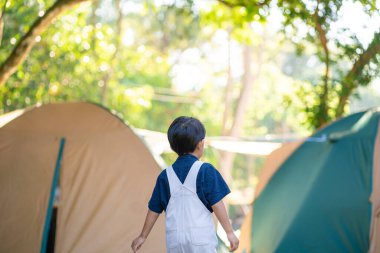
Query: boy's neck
(196, 154)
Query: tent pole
(51, 199)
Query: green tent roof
(318, 200)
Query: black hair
(185, 133)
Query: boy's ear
(201, 144)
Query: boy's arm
(151, 218)
(221, 213)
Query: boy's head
(185, 133)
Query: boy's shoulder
(207, 166)
(208, 170)
(162, 175)
(208, 173)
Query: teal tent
(324, 197)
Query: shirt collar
(187, 156)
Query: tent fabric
(106, 179)
(50, 221)
(5, 118)
(318, 200)
(245, 234)
(273, 162)
(159, 144)
(270, 167)
(26, 170)
(375, 198)
(258, 148)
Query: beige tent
(105, 175)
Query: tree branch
(26, 43)
(3, 10)
(2, 21)
(350, 81)
(244, 4)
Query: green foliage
(174, 25)
(75, 58)
(309, 26)
(329, 93)
(237, 20)
(74, 55)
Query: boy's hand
(150, 219)
(221, 214)
(234, 241)
(137, 243)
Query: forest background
(250, 70)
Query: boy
(189, 191)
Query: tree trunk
(26, 43)
(109, 73)
(323, 97)
(227, 158)
(227, 91)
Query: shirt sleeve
(213, 185)
(157, 201)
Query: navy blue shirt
(211, 187)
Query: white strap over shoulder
(191, 178)
(174, 183)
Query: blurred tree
(106, 45)
(348, 62)
(113, 59)
(2, 20)
(237, 24)
(125, 55)
(26, 43)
